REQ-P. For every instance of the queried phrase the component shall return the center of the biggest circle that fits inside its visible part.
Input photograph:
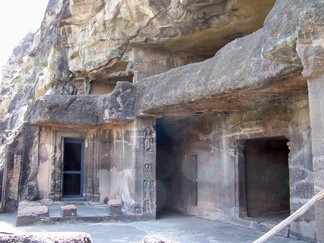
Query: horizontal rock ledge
(238, 77)
(85, 110)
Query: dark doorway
(73, 168)
(172, 168)
(164, 165)
(267, 177)
(176, 168)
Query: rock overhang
(98, 37)
(259, 69)
(241, 76)
(85, 110)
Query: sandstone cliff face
(99, 40)
(81, 42)
(16, 95)
(17, 86)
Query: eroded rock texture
(47, 237)
(101, 35)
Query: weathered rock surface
(68, 211)
(264, 65)
(47, 237)
(114, 207)
(156, 239)
(49, 79)
(66, 109)
(80, 40)
(31, 213)
(96, 40)
(16, 136)
(99, 35)
(86, 110)
(274, 59)
(20, 179)
(230, 81)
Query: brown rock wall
(98, 41)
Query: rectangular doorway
(73, 157)
(267, 178)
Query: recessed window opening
(267, 177)
(107, 86)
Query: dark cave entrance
(166, 143)
(176, 170)
(73, 168)
(266, 176)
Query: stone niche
(98, 87)
(240, 167)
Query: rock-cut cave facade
(208, 108)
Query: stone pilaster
(91, 169)
(58, 143)
(241, 210)
(145, 164)
(316, 92)
(96, 160)
(310, 47)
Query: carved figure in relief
(148, 170)
(148, 139)
(148, 194)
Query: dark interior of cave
(176, 169)
(164, 165)
(72, 168)
(266, 177)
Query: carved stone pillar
(316, 94)
(145, 163)
(310, 47)
(57, 168)
(91, 170)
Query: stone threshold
(31, 213)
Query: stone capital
(312, 58)
(310, 41)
